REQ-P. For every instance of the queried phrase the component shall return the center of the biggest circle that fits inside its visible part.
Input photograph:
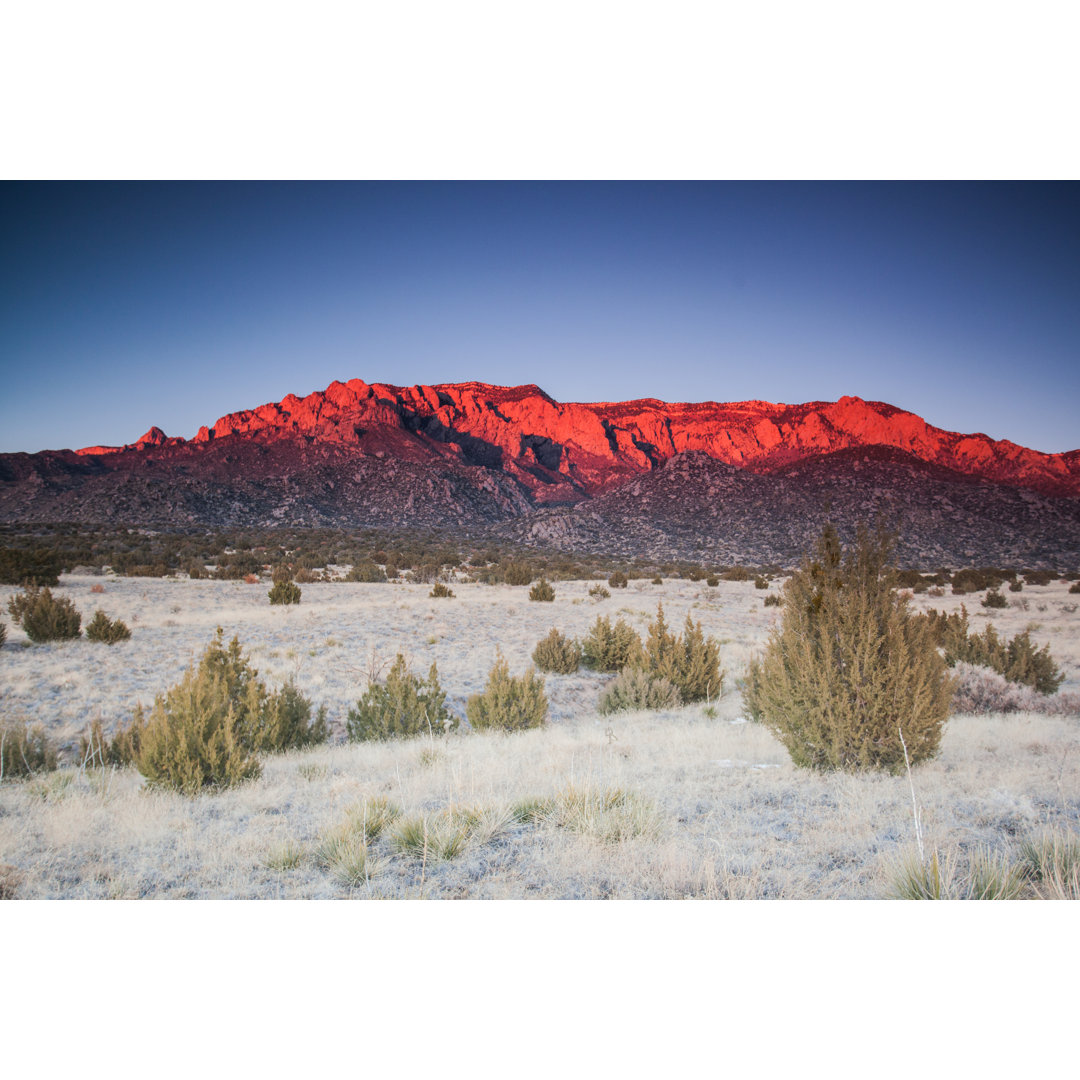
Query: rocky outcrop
(562, 452)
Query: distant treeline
(37, 554)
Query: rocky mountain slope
(746, 481)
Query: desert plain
(693, 802)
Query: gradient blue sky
(127, 305)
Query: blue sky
(127, 305)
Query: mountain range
(736, 481)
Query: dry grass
(669, 805)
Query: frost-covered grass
(688, 802)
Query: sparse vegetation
(598, 592)
(440, 591)
(542, 590)
(518, 574)
(24, 750)
(557, 654)
(1017, 659)
(401, 707)
(44, 617)
(107, 631)
(850, 678)
(508, 703)
(33, 566)
(366, 571)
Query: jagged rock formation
(745, 481)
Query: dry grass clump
(634, 689)
(25, 750)
(598, 592)
(287, 855)
(401, 707)
(988, 876)
(607, 815)
(446, 834)
(557, 653)
(45, 617)
(508, 703)
(850, 679)
(105, 630)
(1052, 862)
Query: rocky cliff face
(561, 452)
(737, 482)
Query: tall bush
(557, 653)
(610, 648)
(206, 730)
(508, 703)
(285, 592)
(849, 676)
(403, 706)
(691, 663)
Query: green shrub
(598, 592)
(690, 663)
(557, 654)
(285, 592)
(107, 631)
(44, 617)
(712, 581)
(658, 580)
(994, 599)
(1016, 586)
(542, 590)
(29, 567)
(737, 573)
(366, 571)
(24, 750)
(206, 730)
(1017, 660)
(401, 707)
(849, 669)
(1075, 587)
(508, 703)
(761, 582)
(609, 648)
(439, 590)
(517, 574)
(618, 580)
(634, 689)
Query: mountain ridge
(565, 451)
